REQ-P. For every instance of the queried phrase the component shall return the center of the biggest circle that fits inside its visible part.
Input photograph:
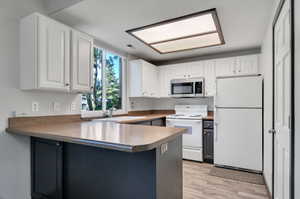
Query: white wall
(167, 103)
(14, 150)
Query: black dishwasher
(208, 141)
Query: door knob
(272, 131)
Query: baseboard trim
(238, 169)
(268, 189)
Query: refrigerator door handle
(216, 132)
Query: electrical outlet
(56, 107)
(73, 106)
(35, 106)
(163, 148)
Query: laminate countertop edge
(100, 144)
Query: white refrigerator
(238, 123)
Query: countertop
(144, 119)
(110, 135)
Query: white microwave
(193, 87)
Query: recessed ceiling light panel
(196, 30)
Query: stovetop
(195, 112)
(183, 116)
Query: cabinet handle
(92, 87)
(67, 84)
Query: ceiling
(243, 22)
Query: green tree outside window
(110, 75)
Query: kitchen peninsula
(94, 159)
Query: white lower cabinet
(48, 61)
(143, 79)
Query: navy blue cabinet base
(63, 170)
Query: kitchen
(194, 118)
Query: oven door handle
(184, 120)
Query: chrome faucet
(109, 112)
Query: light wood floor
(198, 184)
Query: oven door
(182, 89)
(193, 137)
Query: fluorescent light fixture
(192, 31)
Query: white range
(190, 117)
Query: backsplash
(136, 104)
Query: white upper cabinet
(225, 67)
(143, 79)
(165, 77)
(243, 65)
(82, 62)
(210, 77)
(45, 54)
(209, 69)
(247, 65)
(196, 69)
(47, 61)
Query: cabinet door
(225, 67)
(147, 73)
(179, 71)
(165, 81)
(247, 65)
(210, 78)
(53, 55)
(82, 62)
(135, 78)
(155, 82)
(46, 168)
(208, 145)
(196, 69)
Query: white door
(82, 62)
(239, 92)
(54, 55)
(238, 138)
(282, 103)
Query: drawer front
(208, 124)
